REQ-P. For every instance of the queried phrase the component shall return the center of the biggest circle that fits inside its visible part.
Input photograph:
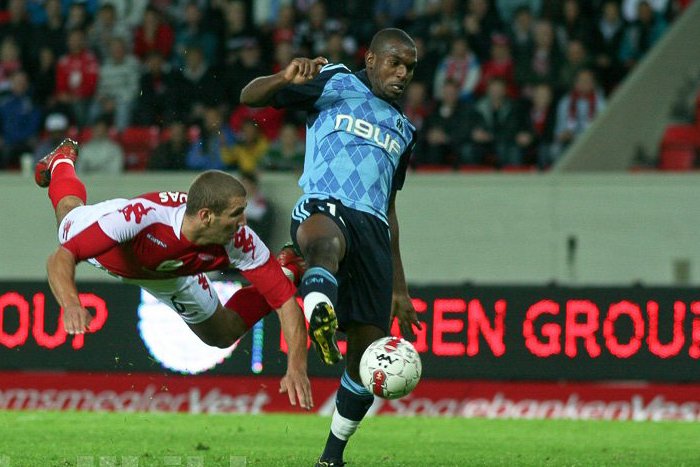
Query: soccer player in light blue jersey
(358, 145)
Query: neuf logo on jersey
(368, 131)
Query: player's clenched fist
(301, 70)
(76, 319)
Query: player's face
(391, 69)
(224, 226)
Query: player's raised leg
(323, 246)
(247, 306)
(353, 400)
(56, 171)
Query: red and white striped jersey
(141, 238)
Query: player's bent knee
(222, 342)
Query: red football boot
(292, 263)
(68, 149)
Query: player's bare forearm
(61, 273)
(401, 304)
(399, 280)
(294, 330)
(259, 92)
(296, 381)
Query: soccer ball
(390, 367)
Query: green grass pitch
(129, 439)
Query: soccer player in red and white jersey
(165, 242)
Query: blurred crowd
(500, 83)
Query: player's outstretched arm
(401, 305)
(296, 382)
(61, 271)
(259, 92)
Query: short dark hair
(384, 36)
(213, 189)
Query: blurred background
(548, 221)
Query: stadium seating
(138, 143)
(679, 147)
(677, 159)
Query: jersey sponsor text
(368, 131)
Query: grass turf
(129, 439)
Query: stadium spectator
(104, 29)
(543, 60)
(509, 9)
(251, 146)
(442, 25)
(606, 43)
(312, 33)
(445, 131)
(429, 61)
(50, 33)
(339, 241)
(287, 152)
(460, 67)
(576, 59)
(76, 76)
(118, 85)
(214, 143)
(20, 119)
(392, 13)
(101, 154)
(480, 22)
(283, 30)
(576, 110)
(171, 153)
(521, 34)
(129, 12)
(200, 86)
(153, 35)
(417, 106)
(18, 27)
(499, 135)
(56, 126)
(238, 32)
(265, 12)
(335, 50)
(259, 213)
(573, 25)
(631, 12)
(160, 98)
(44, 79)
(269, 120)
(283, 54)
(192, 34)
(540, 117)
(641, 35)
(10, 63)
(249, 65)
(78, 16)
(205, 231)
(500, 65)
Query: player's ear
(370, 59)
(204, 215)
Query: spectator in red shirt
(76, 76)
(500, 65)
(153, 35)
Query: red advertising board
(258, 394)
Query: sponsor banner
(259, 394)
(468, 332)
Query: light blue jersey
(357, 145)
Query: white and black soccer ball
(390, 367)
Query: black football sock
(351, 404)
